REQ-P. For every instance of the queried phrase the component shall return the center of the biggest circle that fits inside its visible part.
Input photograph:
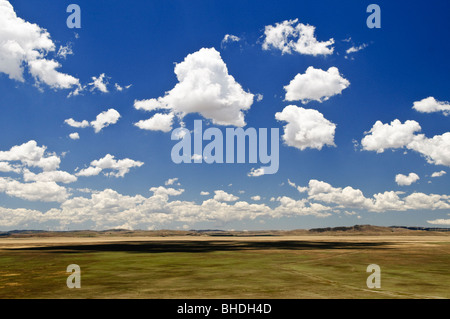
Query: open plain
(289, 265)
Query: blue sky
(338, 168)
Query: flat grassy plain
(288, 267)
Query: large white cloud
(306, 128)
(45, 71)
(436, 150)
(20, 218)
(26, 44)
(345, 197)
(31, 155)
(119, 167)
(49, 176)
(395, 135)
(387, 201)
(430, 105)
(315, 85)
(291, 36)
(205, 87)
(40, 186)
(427, 201)
(47, 191)
(107, 209)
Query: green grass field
(219, 268)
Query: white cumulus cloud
(436, 150)
(105, 119)
(31, 155)
(394, 135)
(439, 222)
(102, 120)
(351, 198)
(109, 209)
(158, 122)
(306, 128)
(430, 105)
(25, 44)
(49, 176)
(291, 36)
(316, 85)
(205, 87)
(406, 180)
(118, 167)
(74, 136)
(40, 186)
(222, 196)
(44, 191)
(165, 192)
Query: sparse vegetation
(119, 264)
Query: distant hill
(344, 230)
(378, 229)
